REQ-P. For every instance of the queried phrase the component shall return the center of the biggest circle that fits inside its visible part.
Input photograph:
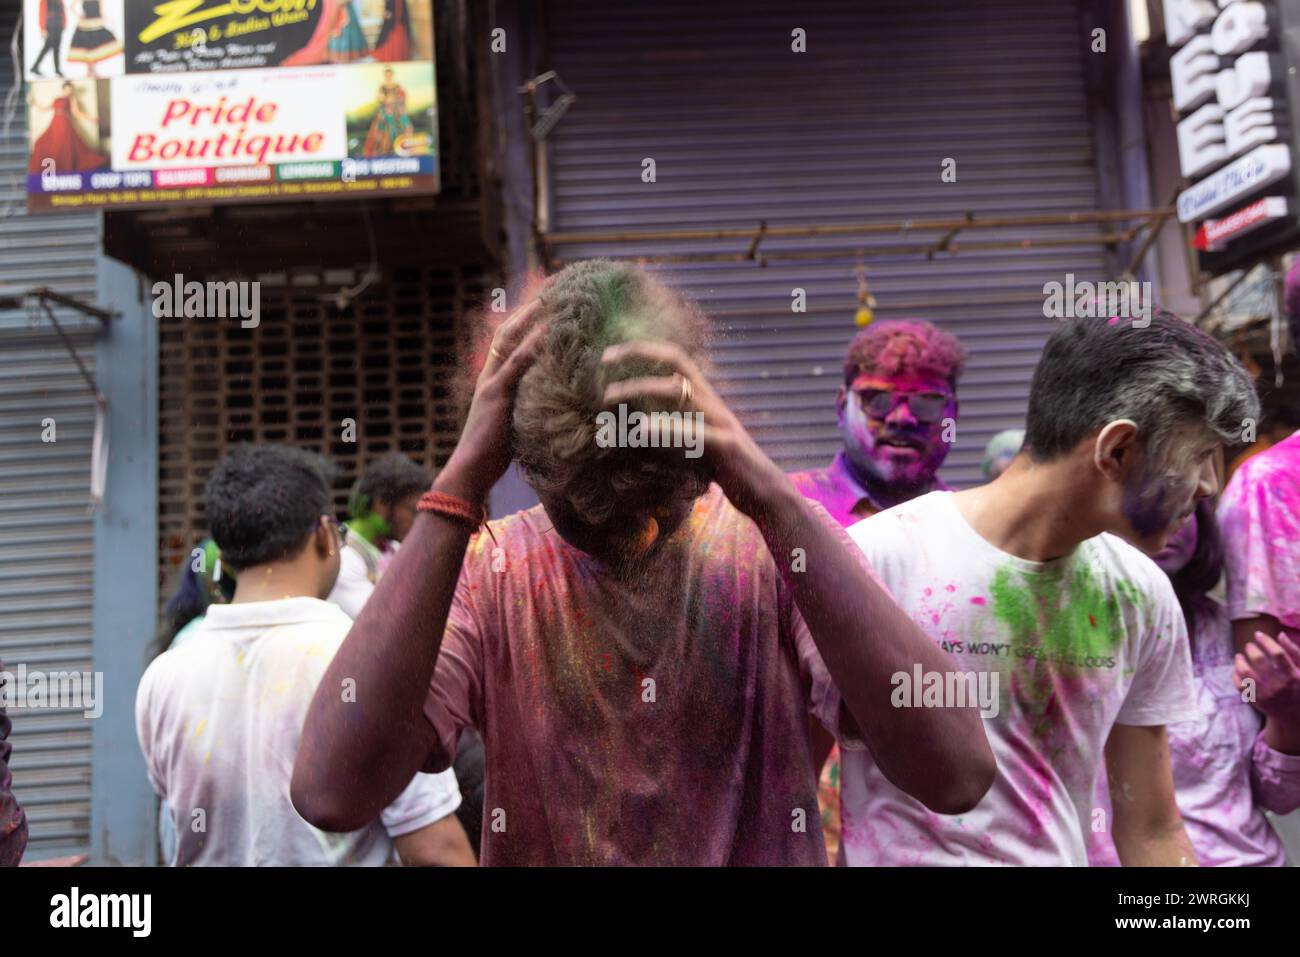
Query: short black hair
(389, 479)
(1161, 375)
(263, 501)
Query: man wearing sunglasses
(898, 397)
(895, 410)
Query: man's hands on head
(353, 760)
(483, 453)
(750, 480)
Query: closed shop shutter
(46, 530)
(389, 361)
(742, 129)
(46, 538)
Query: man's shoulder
(1137, 578)
(198, 646)
(520, 530)
(164, 676)
(213, 646)
(904, 520)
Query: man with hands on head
(640, 652)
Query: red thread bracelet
(449, 506)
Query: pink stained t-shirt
(1225, 774)
(1259, 515)
(661, 719)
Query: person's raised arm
(940, 756)
(359, 750)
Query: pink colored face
(894, 426)
(1179, 548)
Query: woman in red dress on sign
(316, 49)
(394, 42)
(62, 141)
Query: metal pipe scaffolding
(948, 228)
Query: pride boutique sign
(226, 119)
(1229, 73)
(209, 102)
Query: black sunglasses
(925, 406)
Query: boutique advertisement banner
(135, 103)
(1235, 90)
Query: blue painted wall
(123, 806)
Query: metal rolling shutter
(741, 130)
(389, 361)
(46, 531)
(46, 536)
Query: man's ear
(1115, 449)
(840, 398)
(323, 537)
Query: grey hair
(1164, 377)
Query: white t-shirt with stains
(1076, 645)
(219, 720)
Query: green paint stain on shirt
(1077, 617)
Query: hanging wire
(344, 297)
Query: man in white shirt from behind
(219, 718)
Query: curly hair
(263, 501)
(590, 306)
(387, 481)
(904, 345)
